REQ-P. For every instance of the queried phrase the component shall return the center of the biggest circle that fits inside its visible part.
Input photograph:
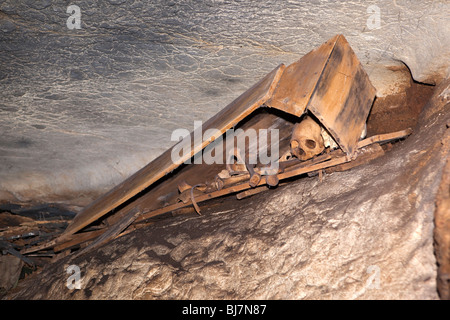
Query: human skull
(306, 140)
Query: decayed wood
(299, 80)
(302, 168)
(343, 97)
(6, 246)
(298, 83)
(251, 192)
(233, 184)
(85, 238)
(365, 155)
(78, 238)
(225, 119)
(235, 179)
(46, 245)
(386, 137)
(112, 232)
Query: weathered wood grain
(343, 97)
(300, 79)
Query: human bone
(329, 142)
(306, 140)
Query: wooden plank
(112, 232)
(295, 163)
(73, 240)
(386, 137)
(251, 192)
(46, 245)
(78, 238)
(299, 80)
(224, 120)
(343, 97)
(368, 154)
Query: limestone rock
(10, 268)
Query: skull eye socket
(310, 143)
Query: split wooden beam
(112, 232)
(386, 137)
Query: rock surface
(366, 233)
(82, 109)
(10, 267)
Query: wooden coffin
(329, 82)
